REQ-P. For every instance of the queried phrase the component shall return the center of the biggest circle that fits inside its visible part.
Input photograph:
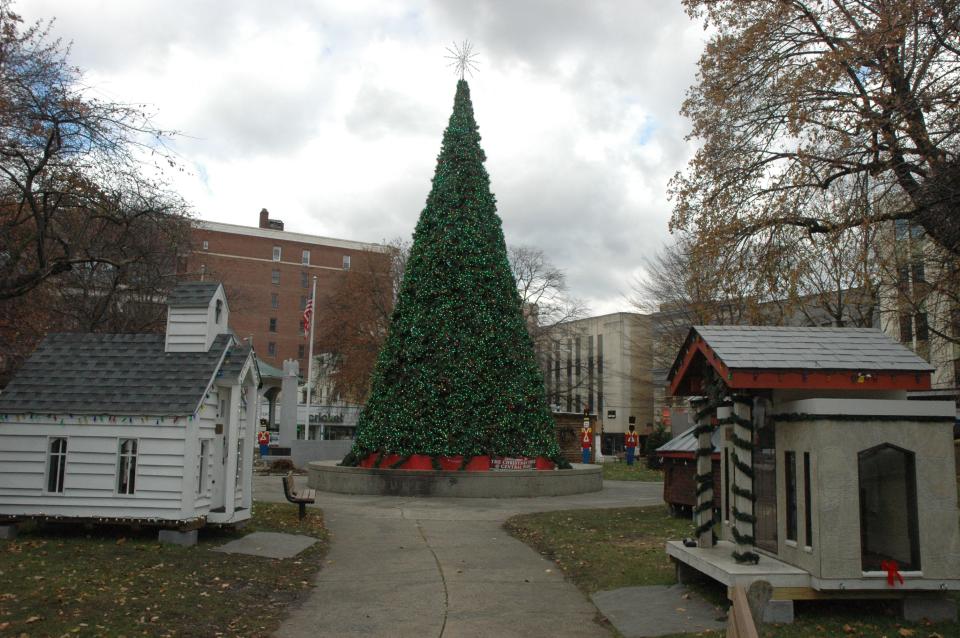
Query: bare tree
(353, 319)
(798, 97)
(78, 175)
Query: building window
(303, 303)
(273, 324)
(272, 349)
(127, 470)
(275, 277)
(790, 472)
(917, 270)
(888, 508)
(56, 464)
(276, 253)
(274, 300)
(923, 330)
(202, 467)
(300, 351)
(305, 257)
(726, 483)
(906, 329)
(304, 280)
(219, 311)
(901, 228)
(807, 503)
(346, 262)
(206, 244)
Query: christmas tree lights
(457, 374)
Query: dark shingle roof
(764, 347)
(111, 374)
(234, 361)
(192, 294)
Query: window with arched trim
(889, 531)
(219, 311)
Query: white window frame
(346, 262)
(130, 469)
(62, 465)
(305, 258)
(206, 245)
(275, 277)
(202, 455)
(277, 253)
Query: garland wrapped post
(724, 422)
(703, 512)
(743, 496)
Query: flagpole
(313, 305)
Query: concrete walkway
(443, 567)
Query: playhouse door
(765, 488)
(218, 470)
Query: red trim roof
(762, 372)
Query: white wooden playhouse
(145, 428)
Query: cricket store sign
(512, 463)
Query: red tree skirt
(448, 463)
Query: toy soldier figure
(586, 440)
(263, 439)
(631, 440)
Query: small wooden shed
(679, 457)
(140, 428)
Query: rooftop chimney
(266, 222)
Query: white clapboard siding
(90, 478)
(187, 330)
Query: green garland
(742, 492)
(743, 516)
(855, 417)
(746, 558)
(743, 539)
(743, 467)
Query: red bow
(890, 566)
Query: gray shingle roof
(772, 347)
(686, 442)
(192, 294)
(111, 374)
(234, 361)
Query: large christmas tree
(457, 374)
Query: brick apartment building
(267, 273)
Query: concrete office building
(602, 365)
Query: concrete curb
(327, 476)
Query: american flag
(307, 312)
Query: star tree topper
(463, 58)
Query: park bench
(301, 497)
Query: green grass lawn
(606, 549)
(636, 472)
(110, 581)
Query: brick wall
(244, 264)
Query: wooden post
(743, 494)
(703, 512)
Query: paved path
(444, 567)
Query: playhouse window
(888, 508)
(790, 473)
(56, 464)
(127, 470)
(202, 467)
(219, 311)
(807, 502)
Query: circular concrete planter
(327, 476)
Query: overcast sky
(330, 113)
